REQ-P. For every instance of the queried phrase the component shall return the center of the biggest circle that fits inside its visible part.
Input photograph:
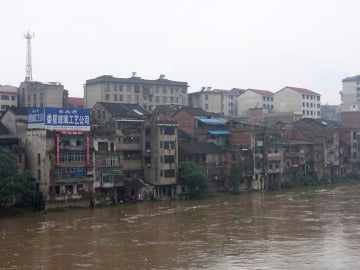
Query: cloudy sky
(259, 44)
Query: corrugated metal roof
(212, 121)
(219, 132)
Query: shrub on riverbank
(313, 180)
(194, 176)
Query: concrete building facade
(350, 94)
(253, 98)
(134, 90)
(39, 95)
(8, 97)
(216, 101)
(298, 100)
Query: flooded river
(313, 228)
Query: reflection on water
(315, 228)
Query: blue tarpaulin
(219, 132)
(211, 121)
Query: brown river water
(312, 228)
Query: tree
(8, 164)
(194, 176)
(236, 177)
(17, 190)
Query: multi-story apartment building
(39, 95)
(253, 98)
(118, 137)
(60, 157)
(134, 90)
(8, 97)
(216, 101)
(298, 100)
(350, 94)
(161, 157)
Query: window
(115, 97)
(168, 144)
(129, 98)
(129, 87)
(169, 131)
(13, 97)
(164, 99)
(157, 99)
(107, 97)
(137, 98)
(38, 158)
(164, 90)
(121, 97)
(206, 97)
(169, 159)
(169, 173)
(206, 106)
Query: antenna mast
(28, 75)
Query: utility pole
(28, 74)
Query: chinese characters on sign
(59, 119)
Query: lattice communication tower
(28, 74)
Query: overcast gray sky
(259, 44)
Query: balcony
(274, 156)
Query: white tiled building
(253, 98)
(350, 94)
(216, 101)
(298, 100)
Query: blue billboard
(59, 118)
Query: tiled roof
(76, 101)
(195, 111)
(353, 78)
(125, 110)
(164, 109)
(111, 79)
(301, 90)
(261, 92)
(19, 110)
(200, 148)
(3, 129)
(8, 89)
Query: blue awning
(219, 132)
(211, 121)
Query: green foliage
(16, 190)
(236, 177)
(313, 180)
(272, 186)
(194, 176)
(8, 164)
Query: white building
(350, 94)
(216, 101)
(298, 100)
(253, 98)
(8, 97)
(134, 90)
